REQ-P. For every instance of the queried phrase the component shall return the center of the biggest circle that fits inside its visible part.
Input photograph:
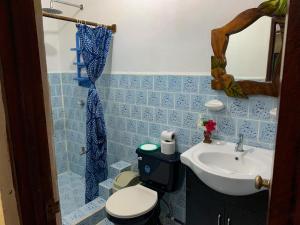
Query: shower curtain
(94, 46)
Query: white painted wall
(53, 50)
(153, 36)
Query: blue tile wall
(160, 115)
(138, 107)
(167, 100)
(182, 101)
(146, 82)
(197, 103)
(190, 84)
(75, 117)
(175, 118)
(174, 83)
(160, 83)
(58, 117)
(153, 98)
(132, 102)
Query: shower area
(70, 104)
(69, 119)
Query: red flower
(210, 125)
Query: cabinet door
(239, 216)
(247, 210)
(204, 207)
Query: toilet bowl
(135, 205)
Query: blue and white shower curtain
(94, 45)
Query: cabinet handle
(219, 219)
(228, 221)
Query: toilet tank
(159, 171)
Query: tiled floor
(74, 211)
(91, 213)
(71, 192)
(105, 222)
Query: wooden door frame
(284, 208)
(8, 202)
(26, 105)
(25, 90)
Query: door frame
(29, 127)
(284, 206)
(8, 203)
(27, 109)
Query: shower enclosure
(68, 100)
(69, 113)
(69, 118)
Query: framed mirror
(247, 51)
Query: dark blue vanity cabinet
(208, 207)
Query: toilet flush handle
(140, 158)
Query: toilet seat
(131, 202)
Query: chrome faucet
(240, 144)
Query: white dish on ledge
(214, 105)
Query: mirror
(275, 46)
(247, 52)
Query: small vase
(207, 137)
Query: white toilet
(139, 204)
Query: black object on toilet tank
(159, 171)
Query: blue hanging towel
(94, 46)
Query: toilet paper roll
(167, 135)
(167, 147)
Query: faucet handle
(239, 144)
(241, 137)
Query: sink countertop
(227, 171)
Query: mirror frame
(219, 41)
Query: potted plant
(208, 125)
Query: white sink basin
(227, 171)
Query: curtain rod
(112, 27)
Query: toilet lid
(131, 202)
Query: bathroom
(168, 68)
(144, 94)
(147, 93)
